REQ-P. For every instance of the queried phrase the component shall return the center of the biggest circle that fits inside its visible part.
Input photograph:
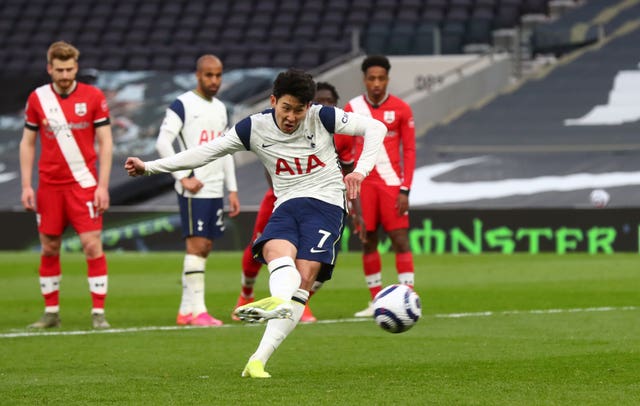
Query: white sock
(284, 278)
(193, 285)
(278, 329)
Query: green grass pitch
(496, 330)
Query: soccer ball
(599, 198)
(397, 308)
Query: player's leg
(397, 228)
(371, 205)
(51, 224)
(250, 266)
(202, 222)
(404, 257)
(288, 279)
(96, 275)
(88, 224)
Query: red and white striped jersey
(397, 160)
(67, 132)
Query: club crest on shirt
(81, 109)
(389, 117)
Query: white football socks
(193, 285)
(284, 278)
(278, 329)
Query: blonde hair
(62, 50)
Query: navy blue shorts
(201, 217)
(313, 226)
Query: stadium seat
(386, 4)
(478, 31)
(185, 63)
(452, 37)
(308, 60)
(383, 16)
(400, 39)
(303, 33)
(289, 7)
(136, 36)
(161, 62)
(258, 60)
(235, 60)
(137, 62)
(280, 33)
(337, 6)
(535, 7)
(195, 8)
(265, 7)
(357, 18)
(433, 15)
(333, 17)
(423, 40)
(256, 33)
(206, 35)
(232, 34)
(170, 8)
(507, 16)
(376, 36)
(407, 16)
(260, 20)
(283, 60)
(329, 31)
(112, 62)
(148, 10)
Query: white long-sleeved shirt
(194, 120)
(301, 164)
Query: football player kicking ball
(294, 142)
(327, 95)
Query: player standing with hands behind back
(70, 117)
(385, 192)
(195, 118)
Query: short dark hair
(296, 83)
(328, 86)
(376, 60)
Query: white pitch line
(20, 334)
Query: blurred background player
(195, 118)
(71, 118)
(385, 192)
(327, 95)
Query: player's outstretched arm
(134, 166)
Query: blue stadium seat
(283, 60)
(259, 59)
(507, 16)
(376, 36)
(400, 39)
(308, 60)
(329, 31)
(423, 39)
(304, 33)
(280, 33)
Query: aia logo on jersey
(296, 167)
(206, 136)
(81, 109)
(389, 117)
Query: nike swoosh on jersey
(314, 250)
(266, 145)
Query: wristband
(405, 191)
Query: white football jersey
(301, 164)
(193, 121)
